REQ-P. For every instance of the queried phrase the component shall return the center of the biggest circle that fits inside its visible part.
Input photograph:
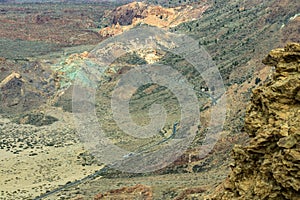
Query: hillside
(37, 87)
(130, 15)
(233, 34)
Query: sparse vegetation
(45, 44)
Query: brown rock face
(130, 15)
(134, 192)
(125, 14)
(24, 86)
(268, 168)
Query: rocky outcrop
(12, 77)
(268, 167)
(134, 192)
(11, 90)
(24, 86)
(130, 15)
(124, 15)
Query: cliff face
(268, 168)
(130, 15)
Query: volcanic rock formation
(130, 15)
(134, 192)
(268, 167)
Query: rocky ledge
(268, 167)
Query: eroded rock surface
(135, 192)
(268, 167)
(130, 15)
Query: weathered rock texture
(269, 166)
(134, 192)
(130, 15)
